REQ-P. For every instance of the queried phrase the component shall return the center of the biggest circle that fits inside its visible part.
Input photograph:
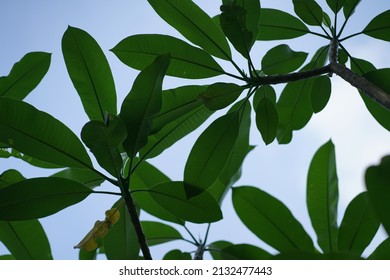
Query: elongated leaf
(267, 118)
(26, 240)
(90, 73)
(157, 233)
(239, 21)
(244, 252)
(194, 24)
(270, 220)
(177, 255)
(382, 252)
(281, 59)
(39, 197)
(139, 51)
(217, 247)
(359, 225)
(336, 5)
(379, 27)
(84, 176)
(377, 183)
(322, 196)
(7, 257)
(30, 160)
(210, 153)
(144, 178)
(9, 177)
(320, 93)
(349, 7)
(278, 25)
(104, 140)
(142, 104)
(309, 11)
(25, 75)
(315, 256)
(173, 198)
(121, 242)
(220, 95)
(39, 135)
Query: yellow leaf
(112, 216)
(99, 230)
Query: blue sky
(281, 170)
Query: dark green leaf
(142, 104)
(359, 225)
(382, 252)
(145, 177)
(121, 241)
(244, 252)
(84, 255)
(210, 153)
(342, 56)
(336, 5)
(139, 51)
(26, 240)
(9, 177)
(177, 255)
(219, 95)
(281, 59)
(25, 75)
(194, 24)
(7, 257)
(39, 197)
(173, 198)
(181, 113)
(349, 7)
(157, 233)
(90, 73)
(84, 176)
(266, 116)
(361, 66)
(277, 25)
(309, 11)
(215, 249)
(315, 256)
(326, 20)
(320, 93)
(377, 183)
(379, 27)
(39, 135)
(104, 140)
(322, 196)
(270, 220)
(240, 22)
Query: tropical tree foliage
(151, 119)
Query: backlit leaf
(309, 11)
(84, 176)
(244, 252)
(349, 7)
(320, 93)
(336, 5)
(382, 252)
(157, 233)
(219, 95)
(267, 119)
(379, 27)
(177, 255)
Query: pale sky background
(281, 170)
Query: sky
(281, 170)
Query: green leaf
(90, 73)
(244, 252)
(142, 104)
(39, 197)
(270, 220)
(9, 177)
(320, 93)
(266, 114)
(25, 75)
(358, 226)
(382, 252)
(177, 255)
(216, 249)
(7, 257)
(377, 183)
(315, 256)
(281, 59)
(26, 240)
(336, 5)
(210, 153)
(342, 56)
(173, 198)
(220, 95)
(84, 255)
(194, 24)
(40, 135)
(32, 161)
(121, 241)
(379, 27)
(279, 25)
(322, 196)
(309, 11)
(240, 22)
(157, 233)
(139, 51)
(326, 20)
(294, 105)
(143, 178)
(104, 140)
(86, 177)
(349, 7)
